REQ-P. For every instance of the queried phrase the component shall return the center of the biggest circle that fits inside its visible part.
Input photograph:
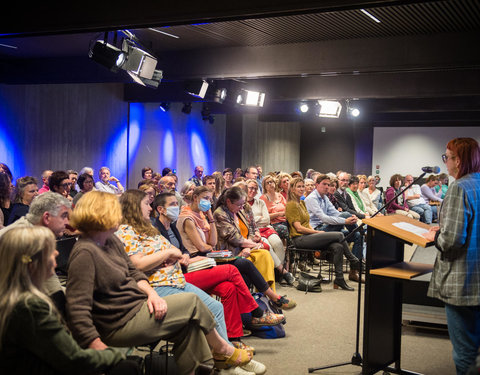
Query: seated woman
(59, 182)
(305, 237)
(5, 203)
(224, 281)
(25, 190)
(85, 183)
(261, 219)
(32, 337)
(283, 184)
(110, 301)
(372, 192)
(309, 187)
(399, 205)
(233, 234)
(187, 188)
(227, 178)
(275, 203)
(370, 207)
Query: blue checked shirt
(456, 275)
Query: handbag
(309, 283)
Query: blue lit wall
(175, 140)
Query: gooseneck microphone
(431, 170)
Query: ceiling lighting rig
(131, 57)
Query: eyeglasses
(252, 188)
(445, 157)
(66, 184)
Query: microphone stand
(357, 358)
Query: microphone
(431, 169)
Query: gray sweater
(102, 291)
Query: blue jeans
(425, 212)
(215, 307)
(464, 330)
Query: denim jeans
(464, 330)
(425, 212)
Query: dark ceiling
(418, 52)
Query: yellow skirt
(263, 261)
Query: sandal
(241, 345)
(238, 358)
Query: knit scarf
(359, 201)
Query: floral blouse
(136, 243)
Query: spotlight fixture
(197, 88)
(251, 98)
(329, 108)
(354, 112)
(138, 61)
(164, 106)
(107, 55)
(219, 95)
(187, 108)
(152, 83)
(303, 107)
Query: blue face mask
(204, 205)
(173, 212)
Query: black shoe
(340, 283)
(288, 277)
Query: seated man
(324, 216)
(344, 200)
(197, 176)
(415, 201)
(45, 175)
(104, 183)
(167, 185)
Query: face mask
(204, 205)
(173, 212)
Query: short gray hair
(47, 202)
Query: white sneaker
(235, 371)
(256, 367)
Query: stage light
(165, 106)
(251, 98)
(138, 61)
(304, 107)
(107, 55)
(152, 83)
(354, 112)
(187, 108)
(329, 108)
(197, 88)
(219, 95)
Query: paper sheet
(411, 228)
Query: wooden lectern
(386, 272)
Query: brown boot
(354, 276)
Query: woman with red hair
(456, 275)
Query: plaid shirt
(456, 275)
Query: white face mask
(173, 212)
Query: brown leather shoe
(354, 276)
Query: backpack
(264, 332)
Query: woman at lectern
(456, 275)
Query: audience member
(399, 205)
(219, 187)
(238, 173)
(85, 183)
(104, 183)
(309, 187)
(72, 176)
(358, 205)
(324, 217)
(342, 197)
(45, 176)
(373, 193)
(32, 338)
(187, 188)
(197, 176)
(147, 173)
(156, 178)
(442, 184)
(431, 196)
(5, 169)
(25, 190)
(415, 201)
(276, 204)
(168, 184)
(370, 207)
(283, 183)
(60, 183)
(234, 234)
(331, 192)
(260, 178)
(209, 182)
(305, 237)
(118, 306)
(261, 218)
(228, 177)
